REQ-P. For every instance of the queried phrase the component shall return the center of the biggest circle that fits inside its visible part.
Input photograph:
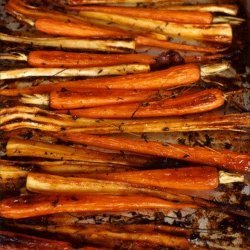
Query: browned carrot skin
(36, 205)
(191, 178)
(163, 79)
(226, 159)
(202, 101)
(12, 241)
(66, 28)
(57, 59)
(93, 98)
(195, 17)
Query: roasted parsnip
(29, 148)
(221, 33)
(118, 46)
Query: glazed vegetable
(65, 28)
(132, 236)
(176, 76)
(92, 98)
(226, 159)
(61, 59)
(29, 148)
(176, 16)
(37, 205)
(221, 33)
(12, 240)
(202, 101)
(118, 46)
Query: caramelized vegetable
(37, 205)
(226, 159)
(175, 16)
(188, 104)
(11, 241)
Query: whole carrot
(202, 101)
(37, 205)
(226, 159)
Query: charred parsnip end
(110, 236)
(221, 33)
(202, 101)
(118, 46)
(92, 98)
(65, 28)
(38, 205)
(176, 16)
(87, 72)
(226, 159)
(61, 59)
(29, 148)
(52, 184)
(221, 8)
(12, 240)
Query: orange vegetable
(191, 178)
(226, 159)
(187, 104)
(37, 205)
(67, 28)
(176, 16)
(57, 59)
(172, 77)
(11, 241)
(93, 98)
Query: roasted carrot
(163, 79)
(136, 237)
(226, 159)
(152, 42)
(202, 101)
(12, 240)
(57, 59)
(191, 178)
(88, 2)
(66, 28)
(92, 98)
(176, 16)
(37, 205)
